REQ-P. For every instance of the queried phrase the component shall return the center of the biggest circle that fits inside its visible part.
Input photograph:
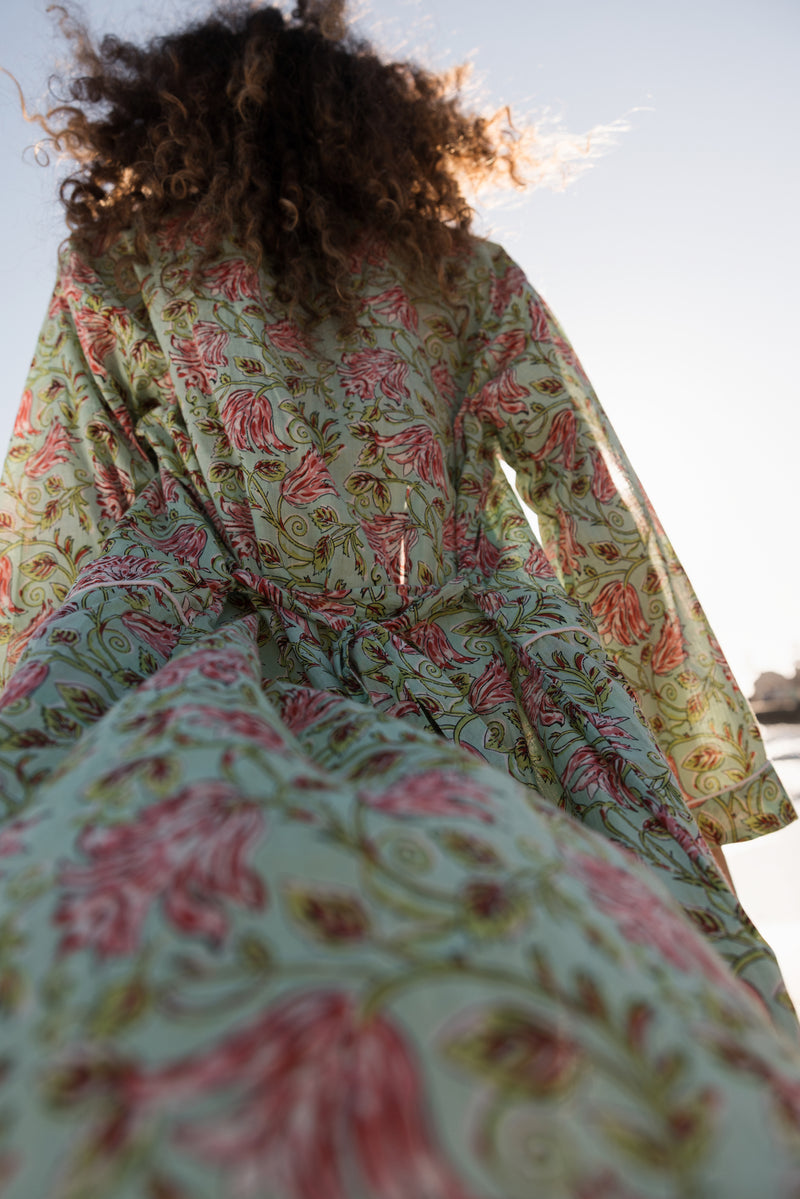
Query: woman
(340, 858)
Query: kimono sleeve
(610, 551)
(74, 463)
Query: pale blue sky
(672, 263)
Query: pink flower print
(604, 489)
(443, 381)
(308, 481)
(57, 447)
(492, 689)
(98, 336)
(694, 845)
(188, 362)
(538, 565)
(303, 707)
(418, 449)
(22, 424)
(23, 681)
(669, 652)
(74, 279)
(570, 549)
(367, 371)
(162, 491)
(18, 643)
(400, 709)
(114, 568)
(221, 665)
(6, 574)
(561, 441)
(247, 418)
(536, 700)
(391, 537)
(435, 792)
(591, 770)
(60, 300)
(332, 606)
(501, 396)
(287, 337)
(264, 587)
(331, 1103)
(395, 305)
(618, 613)
(211, 340)
(477, 553)
(186, 853)
(431, 639)
(157, 634)
(77, 277)
(612, 728)
(513, 283)
(644, 918)
(176, 234)
(568, 354)
(238, 527)
(124, 418)
(449, 534)
(490, 601)
(186, 544)
(719, 657)
(12, 840)
(508, 346)
(235, 279)
(785, 1090)
(114, 490)
(540, 328)
(224, 722)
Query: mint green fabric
(354, 844)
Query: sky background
(672, 263)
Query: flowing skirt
(295, 909)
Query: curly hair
(283, 133)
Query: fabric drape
(354, 842)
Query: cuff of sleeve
(757, 805)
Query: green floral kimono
(355, 846)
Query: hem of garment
(750, 808)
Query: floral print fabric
(339, 855)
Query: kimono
(355, 843)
